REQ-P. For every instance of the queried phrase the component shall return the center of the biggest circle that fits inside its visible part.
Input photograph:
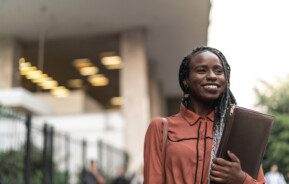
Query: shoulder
(154, 131)
(156, 124)
(157, 121)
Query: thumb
(233, 157)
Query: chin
(210, 99)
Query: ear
(185, 82)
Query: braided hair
(221, 105)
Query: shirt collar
(192, 117)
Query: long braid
(222, 104)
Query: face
(206, 77)
(274, 168)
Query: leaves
(275, 98)
(12, 167)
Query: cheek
(223, 83)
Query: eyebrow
(201, 65)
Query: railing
(31, 154)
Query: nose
(211, 76)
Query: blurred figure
(287, 177)
(93, 176)
(273, 176)
(120, 179)
(94, 169)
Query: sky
(254, 37)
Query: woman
(194, 133)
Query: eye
(201, 70)
(219, 71)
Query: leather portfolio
(246, 134)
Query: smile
(210, 86)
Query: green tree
(275, 99)
(12, 166)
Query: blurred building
(115, 63)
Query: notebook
(246, 134)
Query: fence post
(126, 160)
(67, 158)
(45, 155)
(84, 151)
(51, 168)
(110, 153)
(84, 144)
(27, 154)
(100, 151)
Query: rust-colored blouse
(188, 150)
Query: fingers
(233, 157)
(218, 174)
(218, 168)
(221, 162)
(216, 179)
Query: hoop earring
(186, 97)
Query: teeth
(210, 87)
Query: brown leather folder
(246, 134)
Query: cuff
(249, 179)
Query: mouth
(211, 86)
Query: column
(9, 55)
(135, 93)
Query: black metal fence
(31, 154)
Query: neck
(201, 108)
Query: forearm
(99, 178)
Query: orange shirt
(188, 150)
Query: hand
(229, 172)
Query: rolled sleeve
(260, 178)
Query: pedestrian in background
(120, 179)
(92, 176)
(274, 177)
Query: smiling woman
(206, 81)
(193, 135)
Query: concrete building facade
(150, 37)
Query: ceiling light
(111, 60)
(21, 60)
(23, 64)
(44, 77)
(98, 80)
(80, 63)
(26, 69)
(91, 70)
(35, 74)
(116, 101)
(60, 91)
(49, 84)
(75, 83)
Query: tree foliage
(12, 167)
(275, 99)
